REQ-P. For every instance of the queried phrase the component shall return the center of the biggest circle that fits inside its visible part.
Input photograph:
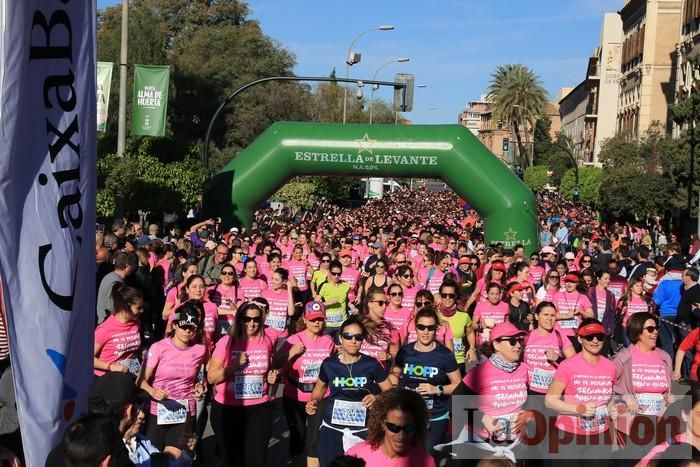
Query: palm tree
(517, 97)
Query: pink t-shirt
(279, 309)
(173, 295)
(249, 289)
(297, 270)
(415, 457)
(540, 371)
(635, 305)
(409, 297)
(381, 345)
(119, 341)
(435, 279)
(211, 315)
(175, 370)
(483, 292)
(304, 369)
(566, 303)
(536, 274)
(408, 333)
(487, 310)
(352, 277)
(648, 372)
(165, 265)
(397, 318)
(584, 383)
(248, 385)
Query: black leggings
(295, 413)
(242, 433)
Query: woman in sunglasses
(633, 301)
(431, 276)
(500, 381)
(382, 338)
(280, 299)
(397, 430)
(349, 376)
(643, 374)
(335, 294)
(405, 278)
(550, 288)
(250, 285)
(459, 321)
(172, 298)
(195, 291)
(586, 381)
(224, 294)
(536, 271)
(430, 369)
(408, 334)
(396, 313)
(320, 275)
(171, 378)
(240, 367)
(300, 359)
(489, 313)
(378, 278)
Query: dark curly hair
(399, 399)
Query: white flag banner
(47, 207)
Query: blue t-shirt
(427, 367)
(348, 385)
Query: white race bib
(541, 378)
(459, 344)
(348, 413)
(571, 323)
(650, 404)
(248, 387)
(429, 402)
(276, 322)
(132, 364)
(171, 412)
(301, 281)
(310, 373)
(506, 422)
(596, 422)
(334, 319)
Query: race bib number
(650, 404)
(334, 319)
(171, 412)
(596, 422)
(348, 413)
(132, 364)
(301, 281)
(429, 402)
(459, 344)
(571, 323)
(506, 423)
(276, 322)
(310, 373)
(248, 387)
(223, 325)
(541, 378)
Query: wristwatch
(440, 390)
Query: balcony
(593, 72)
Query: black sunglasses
(255, 319)
(394, 428)
(512, 340)
(428, 327)
(350, 336)
(380, 266)
(423, 303)
(228, 273)
(187, 327)
(336, 273)
(325, 260)
(448, 295)
(407, 276)
(396, 294)
(589, 338)
(379, 302)
(652, 329)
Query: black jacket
(686, 313)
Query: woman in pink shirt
(632, 301)
(250, 285)
(118, 338)
(241, 369)
(397, 430)
(408, 333)
(395, 313)
(496, 274)
(300, 359)
(586, 383)
(274, 261)
(404, 277)
(172, 298)
(643, 375)
(489, 313)
(280, 300)
(195, 291)
(171, 378)
(382, 342)
(224, 295)
(550, 288)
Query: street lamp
(352, 58)
(375, 87)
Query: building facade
(689, 44)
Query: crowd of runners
(369, 326)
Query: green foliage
(536, 178)
(297, 194)
(589, 184)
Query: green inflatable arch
(449, 152)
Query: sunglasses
(394, 428)
(379, 302)
(348, 336)
(380, 266)
(448, 295)
(513, 341)
(188, 327)
(254, 319)
(651, 329)
(599, 337)
(569, 260)
(585, 261)
(325, 260)
(535, 258)
(423, 303)
(553, 277)
(336, 273)
(228, 273)
(407, 276)
(426, 327)
(396, 294)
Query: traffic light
(506, 145)
(403, 100)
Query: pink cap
(547, 250)
(505, 329)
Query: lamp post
(375, 87)
(351, 59)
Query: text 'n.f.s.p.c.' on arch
(449, 152)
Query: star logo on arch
(365, 145)
(510, 234)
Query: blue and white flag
(47, 210)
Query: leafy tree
(517, 95)
(536, 178)
(589, 184)
(298, 193)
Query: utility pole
(123, 68)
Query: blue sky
(453, 45)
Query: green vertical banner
(150, 100)
(104, 83)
